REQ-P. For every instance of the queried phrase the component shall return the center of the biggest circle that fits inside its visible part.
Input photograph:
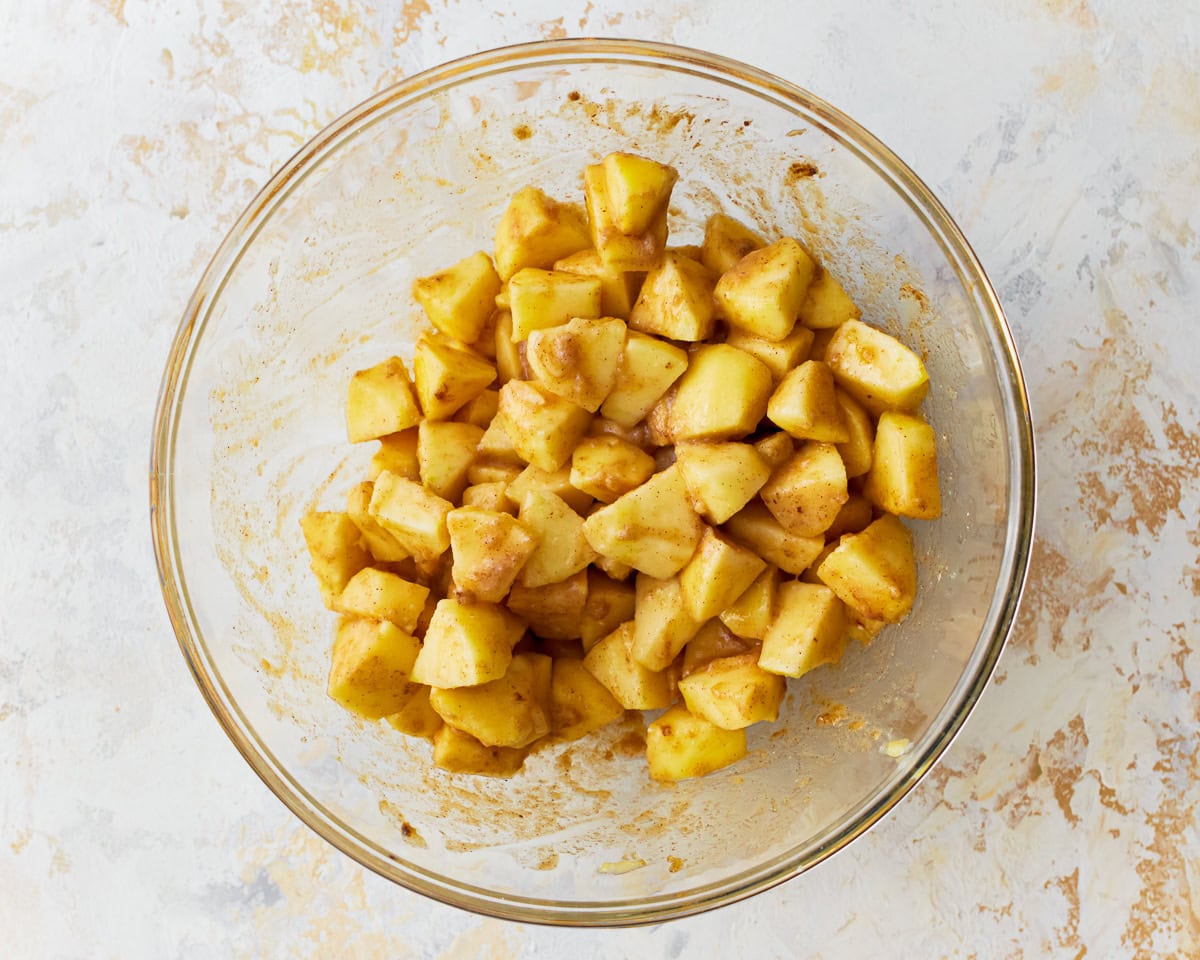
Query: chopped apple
(378, 595)
(763, 292)
(751, 614)
(460, 299)
(504, 712)
(544, 428)
(562, 549)
(859, 449)
(876, 369)
(806, 493)
(448, 376)
(381, 544)
(680, 746)
(578, 360)
(875, 571)
(609, 604)
(466, 644)
(904, 473)
(647, 370)
(726, 241)
(445, 452)
(458, 752)
(579, 703)
(755, 527)
(380, 401)
(606, 467)
(539, 299)
(676, 300)
(733, 692)
(489, 551)
(372, 661)
(619, 250)
(411, 514)
(557, 482)
(805, 405)
(554, 611)
(721, 478)
(618, 288)
(335, 551)
(634, 686)
(638, 190)
(662, 624)
(809, 630)
(536, 230)
(826, 304)
(718, 573)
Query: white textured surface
(1063, 134)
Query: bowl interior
(314, 284)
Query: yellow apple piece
(535, 230)
(382, 545)
(489, 495)
(458, 752)
(619, 250)
(335, 551)
(676, 300)
(411, 514)
(733, 692)
(750, 615)
(826, 304)
(721, 478)
(875, 571)
(859, 449)
(481, 409)
(755, 527)
(489, 550)
(639, 190)
(416, 718)
(379, 595)
(554, 611)
(539, 299)
(662, 624)
(562, 549)
(775, 448)
(722, 396)
(763, 292)
(809, 630)
(372, 661)
(445, 452)
(500, 713)
(606, 467)
(718, 573)
(579, 703)
(618, 288)
(634, 686)
(380, 401)
(904, 472)
(398, 453)
(806, 493)
(544, 428)
(557, 482)
(609, 604)
(448, 376)
(726, 241)
(680, 746)
(466, 644)
(653, 528)
(779, 356)
(648, 368)
(805, 405)
(460, 300)
(578, 360)
(876, 369)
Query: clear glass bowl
(313, 283)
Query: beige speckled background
(1065, 137)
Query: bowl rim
(1021, 505)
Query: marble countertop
(1064, 135)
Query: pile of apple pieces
(621, 475)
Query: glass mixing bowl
(313, 283)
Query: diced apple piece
(618, 288)
(858, 451)
(557, 482)
(861, 628)
(398, 453)
(609, 604)
(416, 717)
(756, 528)
(491, 471)
(488, 495)
(636, 688)
(489, 551)
(466, 644)
(680, 746)
(579, 703)
(712, 642)
(808, 631)
(647, 370)
(722, 396)
(481, 409)
(619, 250)
(448, 376)
(662, 624)
(460, 299)
(811, 575)
(562, 549)
(459, 752)
(411, 514)
(380, 401)
(606, 467)
(733, 692)
(539, 299)
(381, 544)
(718, 573)
(554, 611)
(726, 241)
(509, 365)
(826, 304)
(855, 516)
(676, 300)
(445, 452)
(500, 713)
(544, 429)
(496, 446)
(775, 448)
(779, 356)
(335, 551)
(904, 474)
(763, 293)
(875, 571)
(805, 405)
(652, 528)
(379, 595)
(806, 493)
(536, 230)
(638, 190)
(721, 478)
(751, 614)
(876, 369)
(372, 661)
(578, 360)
